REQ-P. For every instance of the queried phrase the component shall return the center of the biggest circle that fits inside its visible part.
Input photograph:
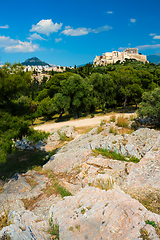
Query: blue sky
(73, 32)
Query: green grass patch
(54, 231)
(114, 155)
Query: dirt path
(79, 122)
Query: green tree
(54, 84)
(46, 108)
(61, 103)
(128, 84)
(104, 93)
(150, 105)
(78, 91)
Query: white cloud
(148, 46)
(22, 47)
(12, 46)
(36, 36)
(6, 26)
(109, 12)
(75, 32)
(132, 20)
(7, 41)
(156, 37)
(46, 27)
(102, 29)
(84, 31)
(58, 40)
(152, 34)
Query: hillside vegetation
(77, 91)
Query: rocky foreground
(111, 199)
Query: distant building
(114, 56)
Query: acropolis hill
(114, 56)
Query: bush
(36, 136)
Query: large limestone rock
(65, 162)
(147, 172)
(25, 225)
(97, 214)
(92, 213)
(135, 144)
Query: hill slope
(34, 61)
(154, 58)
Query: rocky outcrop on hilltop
(103, 205)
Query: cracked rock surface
(103, 205)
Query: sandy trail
(79, 122)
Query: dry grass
(30, 204)
(63, 137)
(5, 237)
(103, 184)
(100, 129)
(4, 221)
(83, 130)
(53, 186)
(125, 131)
(122, 122)
(103, 122)
(113, 118)
(31, 181)
(113, 130)
(1, 189)
(144, 234)
(148, 198)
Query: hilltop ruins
(114, 56)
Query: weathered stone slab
(97, 214)
(25, 225)
(147, 171)
(65, 162)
